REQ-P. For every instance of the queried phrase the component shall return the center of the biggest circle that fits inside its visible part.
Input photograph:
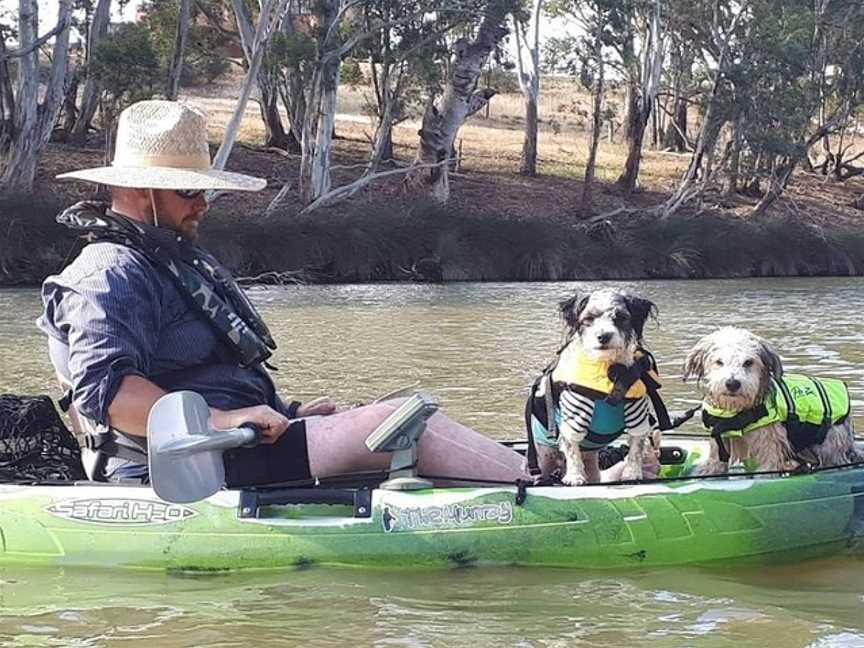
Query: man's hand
(271, 423)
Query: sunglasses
(189, 194)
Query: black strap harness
(205, 284)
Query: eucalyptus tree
(96, 29)
(526, 27)
(405, 53)
(800, 80)
(460, 99)
(175, 69)
(128, 69)
(642, 48)
(588, 56)
(29, 108)
(344, 27)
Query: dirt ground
(487, 180)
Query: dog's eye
(621, 318)
(587, 320)
(748, 363)
(719, 363)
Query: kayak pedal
(251, 501)
(399, 434)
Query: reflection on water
(476, 347)
(798, 606)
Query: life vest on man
(806, 406)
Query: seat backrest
(58, 352)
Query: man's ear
(572, 308)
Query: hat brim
(167, 178)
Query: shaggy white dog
(740, 374)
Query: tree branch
(39, 42)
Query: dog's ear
(640, 311)
(770, 358)
(694, 363)
(572, 308)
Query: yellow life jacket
(576, 368)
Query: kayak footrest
(251, 501)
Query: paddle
(185, 452)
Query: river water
(476, 347)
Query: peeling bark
(33, 121)
(460, 100)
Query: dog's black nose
(603, 338)
(733, 385)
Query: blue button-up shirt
(121, 315)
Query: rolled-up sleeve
(110, 318)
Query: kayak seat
(92, 436)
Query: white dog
(761, 417)
(598, 388)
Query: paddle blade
(182, 477)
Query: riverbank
(498, 226)
(373, 242)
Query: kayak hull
(696, 521)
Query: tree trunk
(255, 55)
(176, 69)
(643, 94)
(636, 136)
(528, 57)
(598, 92)
(676, 135)
(737, 141)
(529, 145)
(33, 120)
(320, 110)
(382, 145)
(70, 105)
(461, 99)
(90, 94)
(321, 179)
(274, 131)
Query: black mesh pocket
(35, 445)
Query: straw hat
(163, 145)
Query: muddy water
(476, 347)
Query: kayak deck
(682, 521)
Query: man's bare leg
(336, 446)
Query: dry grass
(491, 150)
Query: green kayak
(678, 521)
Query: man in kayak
(143, 311)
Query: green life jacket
(806, 406)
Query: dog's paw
(711, 468)
(574, 478)
(631, 472)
